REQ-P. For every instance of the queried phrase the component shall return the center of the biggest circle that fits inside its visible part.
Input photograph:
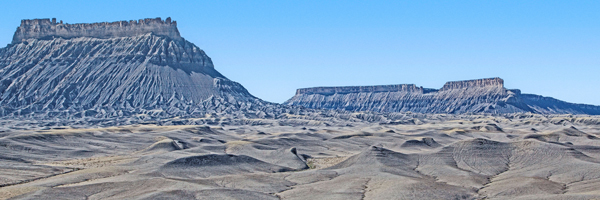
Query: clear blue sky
(551, 48)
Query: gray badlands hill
(471, 96)
(109, 69)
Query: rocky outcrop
(470, 96)
(49, 29)
(549, 105)
(486, 82)
(355, 89)
(108, 69)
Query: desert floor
(485, 157)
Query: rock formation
(46, 29)
(471, 96)
(145, 68)
(107, 69)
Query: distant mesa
(470, 96)
(411, 88)
(486, 82)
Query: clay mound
(164, 145)
(211, 194)
(363, 134)
(217, 165)
(541, 168)
(513, 169)
(564, 135)
(404, 122)
(532, 153)
(378, 159)
(488, 128)
(469, 163)
(70, 144)
(285, 157)
(481, 156)
(425, 142)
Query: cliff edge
(50, 28)
(469, 96)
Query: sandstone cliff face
(46, 29)
(106, 69)
(358, 89)
(478, 83)
(472, 96)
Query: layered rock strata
(471, 96)
(48, 29)
(107, 69)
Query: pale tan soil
(474, 158)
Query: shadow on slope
(217, 165)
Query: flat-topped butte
(50, 28)
(412, 88)
(470, 96)
(124, 68)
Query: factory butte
(145, 68)
(47, 29)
